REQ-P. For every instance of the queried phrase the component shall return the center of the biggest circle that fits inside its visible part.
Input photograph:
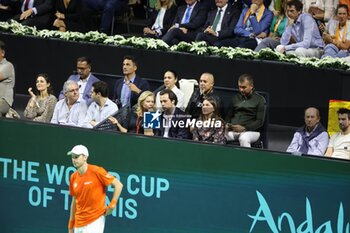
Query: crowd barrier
(169, 185)
(291, 88)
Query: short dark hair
(342, 6)
(84, 59)
(2, 45)
(101, 87)
(296, 3)
(170, 93)
(132, 58)
(344, 111)
(247, 77)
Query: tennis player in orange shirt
(87, 187)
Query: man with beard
(84, 78)
(128, 89)
(246, 117)
(339, 144)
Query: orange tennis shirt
(89, 190)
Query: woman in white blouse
(161, 18)
(170, 80)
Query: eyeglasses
(74, 90)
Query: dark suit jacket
(143, 85)
(197, 19)
(71, 13)
(168, 18)
(86, 94)
(42, 6)
(175, 132)
(228, 23)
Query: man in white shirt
(102, 107)
(339, 144)
(71, 110)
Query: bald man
(312, 138)
(206, 89)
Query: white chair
(187, 87)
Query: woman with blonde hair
(134, 123)
(41, 106)
(161, 18)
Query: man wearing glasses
(71, 110)
(84, 78)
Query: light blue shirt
(126, 92)
(304, 31)
(73, 117)
(98, 114)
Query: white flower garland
(198, 48)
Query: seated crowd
(304, 28)
(84, 102)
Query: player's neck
(83, 169)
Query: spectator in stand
(108, 8)
(170, 126)
(41, 105)
(38, 13)
(8, 9)
(253, 26)
(102, 107)
(312, 138)
(219, 23)
(161, 18)
(7, 82)
(215, 131)
(339, 144)
(301, 36)
(128, 89)
(187, 23)
(84, 78)
(277, 27)
(247, 115)
(337, 37)
(206, 89)
(134, 123)
(170, 80)
(67, 16)
(71, 110)
(321, 10)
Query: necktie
(216, 20)
(187, 15)
(26, 3)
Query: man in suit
(38, 13)
(128, 89)
(173, 120)
(84, 78)
(108, 9)
(219, 23)
(253, 25)
(187, 23)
